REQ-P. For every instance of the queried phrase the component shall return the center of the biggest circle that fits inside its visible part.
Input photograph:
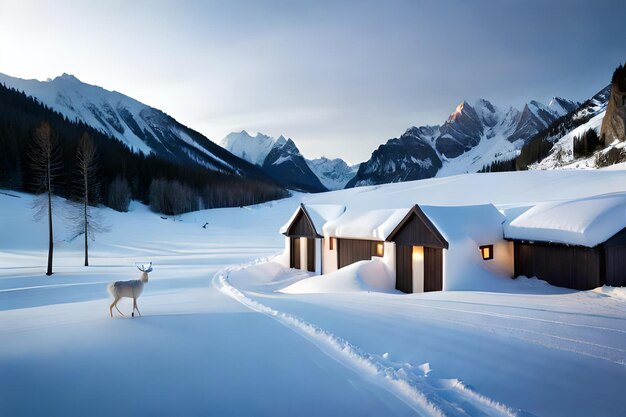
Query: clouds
(338, 77)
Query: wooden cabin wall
(574, 267)
(354, 250)
(615, 260)
(416, 232)
(301, 227)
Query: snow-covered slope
(142, 128)
(473, 136)
(278, 157)
(527, 349)
(588, 116)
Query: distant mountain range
(142, 128)
(281, 159)
(473, 136)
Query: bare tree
(45, 162)
(88, 187)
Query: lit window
(418, 253)
(331, 243)
(487, 252)
(380, 249)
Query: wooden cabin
(578, 244)
(419, 253)
(438, 248)
(304, 240)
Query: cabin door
(310, 255)
(295, 252)
(433, 269)
(404, 279)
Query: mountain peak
(460, 109)
(66, 77)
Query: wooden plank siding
(416, 229)
(295, 252)
(301, 226)
(615, 259)
(310, 255)
(433, 269)
(350, 251)
(575, 267)
(404, 268)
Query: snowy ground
(216, 339)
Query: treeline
(123, 174)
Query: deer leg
(134, 307)
(137, 308)
(118, 310)
(113, 304)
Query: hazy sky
(339, 77)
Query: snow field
(437, 398)
(240, 345)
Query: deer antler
(142, 267)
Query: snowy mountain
(333, 173)
(142, 128)
(589, 115)
(279, 157)
(473, 136)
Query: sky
(339, 77)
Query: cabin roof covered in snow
(481, 223)
(360, 224)
(319, 214)
(586, 221)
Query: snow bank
(371, 275)
(587, 221)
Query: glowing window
(380, 249)
(418, 253)
(487, 252)
(331, 243)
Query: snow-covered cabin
(304, 240)
(578, 244)
(427, 248)
(446, 247)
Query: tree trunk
(50, 239)
(86, 224)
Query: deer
(130, 289)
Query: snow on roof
(373, 224)
(480, 223)
(586, 221)
(318, 213)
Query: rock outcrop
(614, 123)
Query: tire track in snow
(455, 399)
